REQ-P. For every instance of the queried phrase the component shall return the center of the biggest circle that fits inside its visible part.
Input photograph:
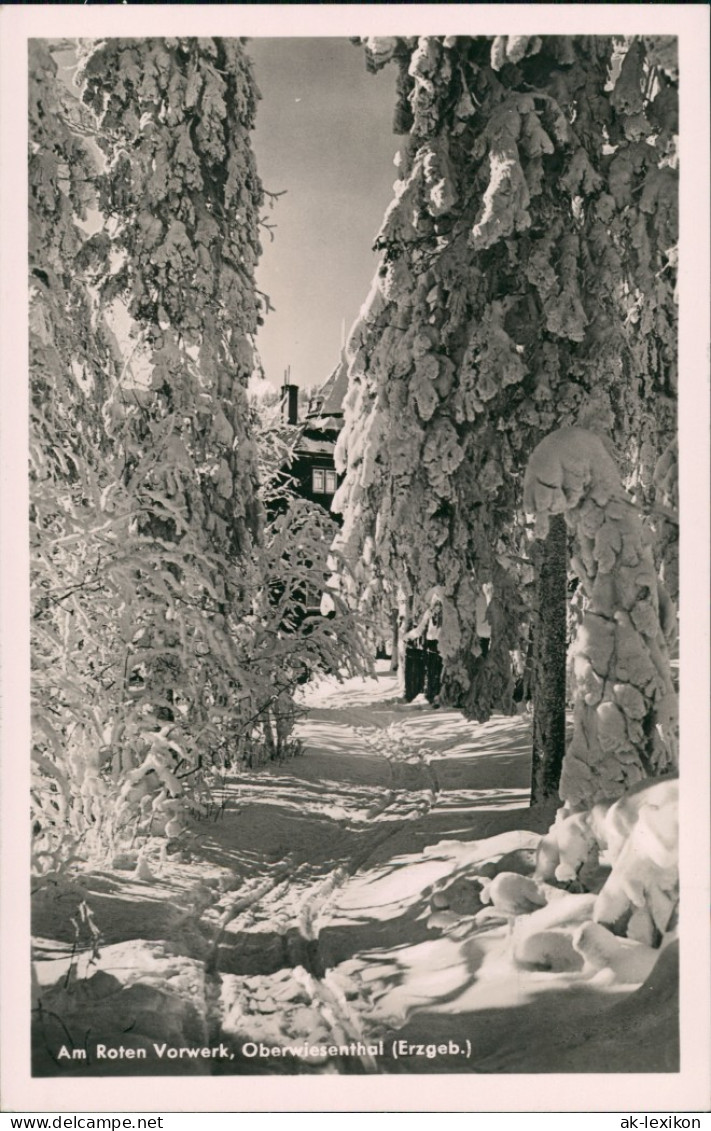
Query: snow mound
(514, 920)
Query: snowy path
(378, 783)
(336, 901)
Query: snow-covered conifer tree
(527, 281)
(159, 650)
(625, 717)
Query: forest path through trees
(329, 901)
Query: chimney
(289, 399)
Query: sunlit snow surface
(482, 956)
(379, 886)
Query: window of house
(324, 481)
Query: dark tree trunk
(549, 662)
(395, 646)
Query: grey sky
(324, 133)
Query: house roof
(315, 447)
(332, 393)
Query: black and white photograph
(356, 440)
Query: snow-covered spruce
(526, 283)
(625, 705)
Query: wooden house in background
(313, 469)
